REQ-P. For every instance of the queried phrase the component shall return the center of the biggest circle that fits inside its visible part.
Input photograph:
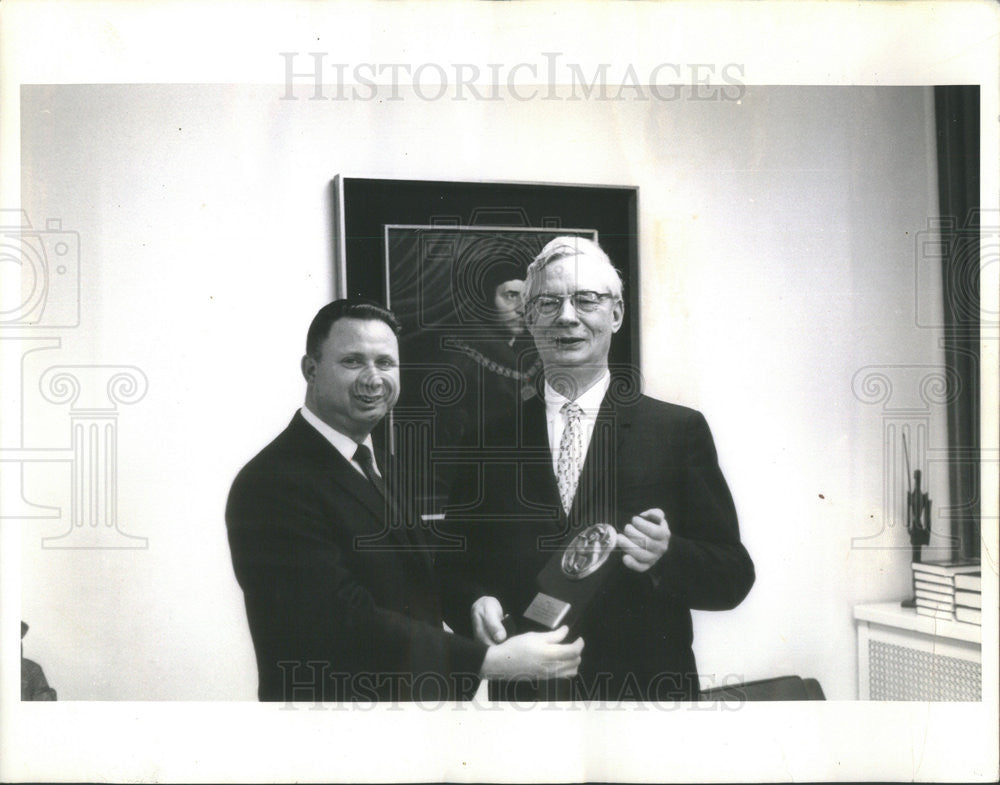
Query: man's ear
(308, 366)
(617, 315)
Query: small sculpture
(918, 509)
(918, 515)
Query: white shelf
(905, 656)
(891, 614)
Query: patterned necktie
(364, 457)
(570, 454)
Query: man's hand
(644, 540)
(533, 655)
(487, 621)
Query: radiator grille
(897, 673)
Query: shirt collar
(590, 400)
(344, 444)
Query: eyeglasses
(583, 302)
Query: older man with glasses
(593, 449)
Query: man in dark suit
(591, 448)
(339, 589)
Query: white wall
(777, 259)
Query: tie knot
(367, 463)
(363, 455)
(572, 410)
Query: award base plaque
(569, 581)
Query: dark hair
(499, 271)
(354, 308)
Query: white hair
(565, 247)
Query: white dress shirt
(343, 444)
(589, 402)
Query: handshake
(531, 655)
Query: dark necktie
(364, 457)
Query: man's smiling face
(355, 380)
(573, 339)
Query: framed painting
(449, 258)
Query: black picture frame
(425, 249)
(364, 207)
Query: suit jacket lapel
(328, 460)
(533, 443)
(595, 500)
(596, 490)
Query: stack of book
(969, 598)
(935, 584)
